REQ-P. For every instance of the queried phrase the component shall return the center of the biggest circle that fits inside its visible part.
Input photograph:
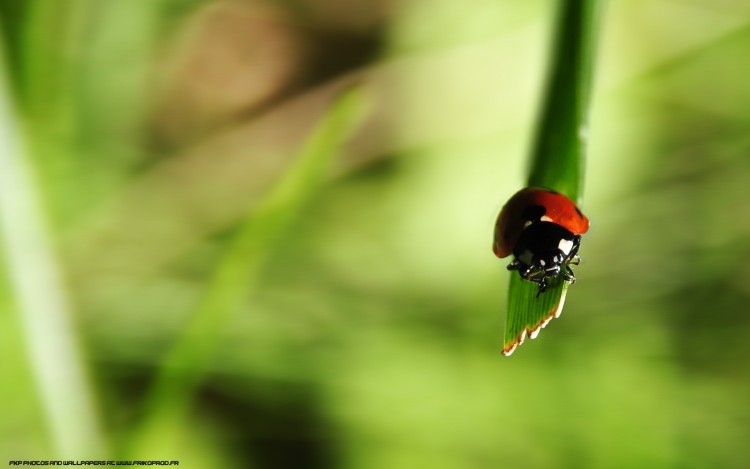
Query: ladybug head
(544, 250)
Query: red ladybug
(542, 229)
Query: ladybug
(542, 229)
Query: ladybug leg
(528, 272)
(537, 275)
(574, 259)
(542, 286)
(532, 273)
(573, 255)
(515, 265)
(569, 275)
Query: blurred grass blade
(558, 158)
(236, 273)
(41, 299)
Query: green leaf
(558, 158)
(37, 293)
(527, 313)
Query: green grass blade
(558, 158)
(527, 313)
(237, 270)
(40, 297)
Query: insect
(542, 229)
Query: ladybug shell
(535, 204)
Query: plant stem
(34, 272)
(558, 159)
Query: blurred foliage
(372, 336)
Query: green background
(366, 332)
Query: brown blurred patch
(235, 59)
(353, 16)
(232, 57)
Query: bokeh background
(366, 330)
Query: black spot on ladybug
(533, 212)
(578, 211)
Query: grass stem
(558, 158)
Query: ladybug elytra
(542, 229)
